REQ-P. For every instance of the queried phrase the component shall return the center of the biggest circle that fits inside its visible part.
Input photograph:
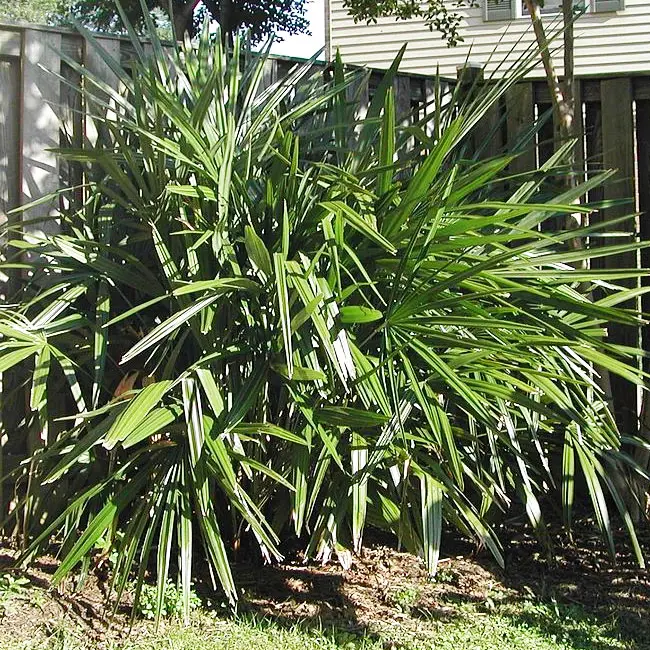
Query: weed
(172, 605)
(405, 599)
(446, 576)
(11, 587)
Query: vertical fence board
(40, 129)
(594, 150)
(520, 117)
(71, 119)
(578, 130)
(357, 95)
(40, 135)
(437, 94)
(9, 196)
(10, 42)
(402, 89)
(643, 157)
(618, 144)
(269, 74)
(9, 135)
(488, 134)
(642, 456)
(618, 153)
(96, 65)
(546, 135)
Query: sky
(304, 46)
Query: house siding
(605, 43)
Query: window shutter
(499, 10)
(600, 6)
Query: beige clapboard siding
(606, 43)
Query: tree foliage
(31, 11)
(435, 13)
(260, 18)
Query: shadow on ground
(388, 593)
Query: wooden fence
(612, 123)
(39, 111)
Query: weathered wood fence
(612, 125)
(39, 111)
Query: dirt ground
(384, 589)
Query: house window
(550, 7)
(495, 10)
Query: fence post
(642, 456)
(483, 139)
(618, 153)
(9, 196)
(643, 157)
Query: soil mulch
(385, 589)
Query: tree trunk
(557, 95)
(226, 22)
(182, 14)
(223, 12)
(568, 114)
(562, 95)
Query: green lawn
(520, 626)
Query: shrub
(275, 319)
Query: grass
(521, 625)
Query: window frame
(517, 13)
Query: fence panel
(9, 198)
(9, 134)
(40, 111)
(612, 127)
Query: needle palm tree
(269, 318)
